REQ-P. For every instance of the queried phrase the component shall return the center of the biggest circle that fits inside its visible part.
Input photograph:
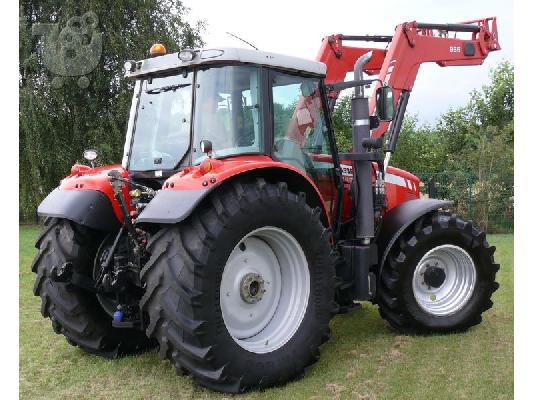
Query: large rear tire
(438, 277)
(240, 295)
(74, 312)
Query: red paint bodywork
(194, 178)
(396, 193)
(191, 178)
(409, 48)
(86, 178)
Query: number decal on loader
(346, 170)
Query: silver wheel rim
(264, 290)
(444, 280)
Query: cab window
(228, 111)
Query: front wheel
(439, 276)
(241, 294)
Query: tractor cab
(241, 102)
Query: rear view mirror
(206, 147)
(385, 106)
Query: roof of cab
(222, 55)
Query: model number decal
(346, 170)
(454, 49)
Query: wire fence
(489, 203)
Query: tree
(481, 144)
(57, 124)
(341, 121)
(476, 143)
(489, 114)
(419, 148)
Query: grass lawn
(364, 359)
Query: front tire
(438, 277)
(240, 295)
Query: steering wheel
(162, 155)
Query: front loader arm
(412, 44)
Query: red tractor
(234, 229)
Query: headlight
(129, 66)
(90, 154)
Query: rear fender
(396, 221)
(182, 192)
(90, 208)
(86, 197)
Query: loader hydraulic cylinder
(396, 125)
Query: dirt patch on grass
(336, 389)
(395, 353)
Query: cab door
(300, 131)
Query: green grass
(364, 359)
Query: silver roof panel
(171, 61)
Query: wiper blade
(167, 88)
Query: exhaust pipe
(362, 184)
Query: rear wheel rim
(444, 280)
(264, 290)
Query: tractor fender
(90, 208)
(395, 222)
(86, 197)
(182, 192)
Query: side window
(228, 111)
(300, 130)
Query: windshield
(162, 127)
(227, 112)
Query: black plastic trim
(337, 87)
(267, 119)
(367, 38)
(338, 179)
(172, 206)
(366, 156)
(90, 208)
(449, 27)
(469, 49)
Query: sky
(297, 27)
